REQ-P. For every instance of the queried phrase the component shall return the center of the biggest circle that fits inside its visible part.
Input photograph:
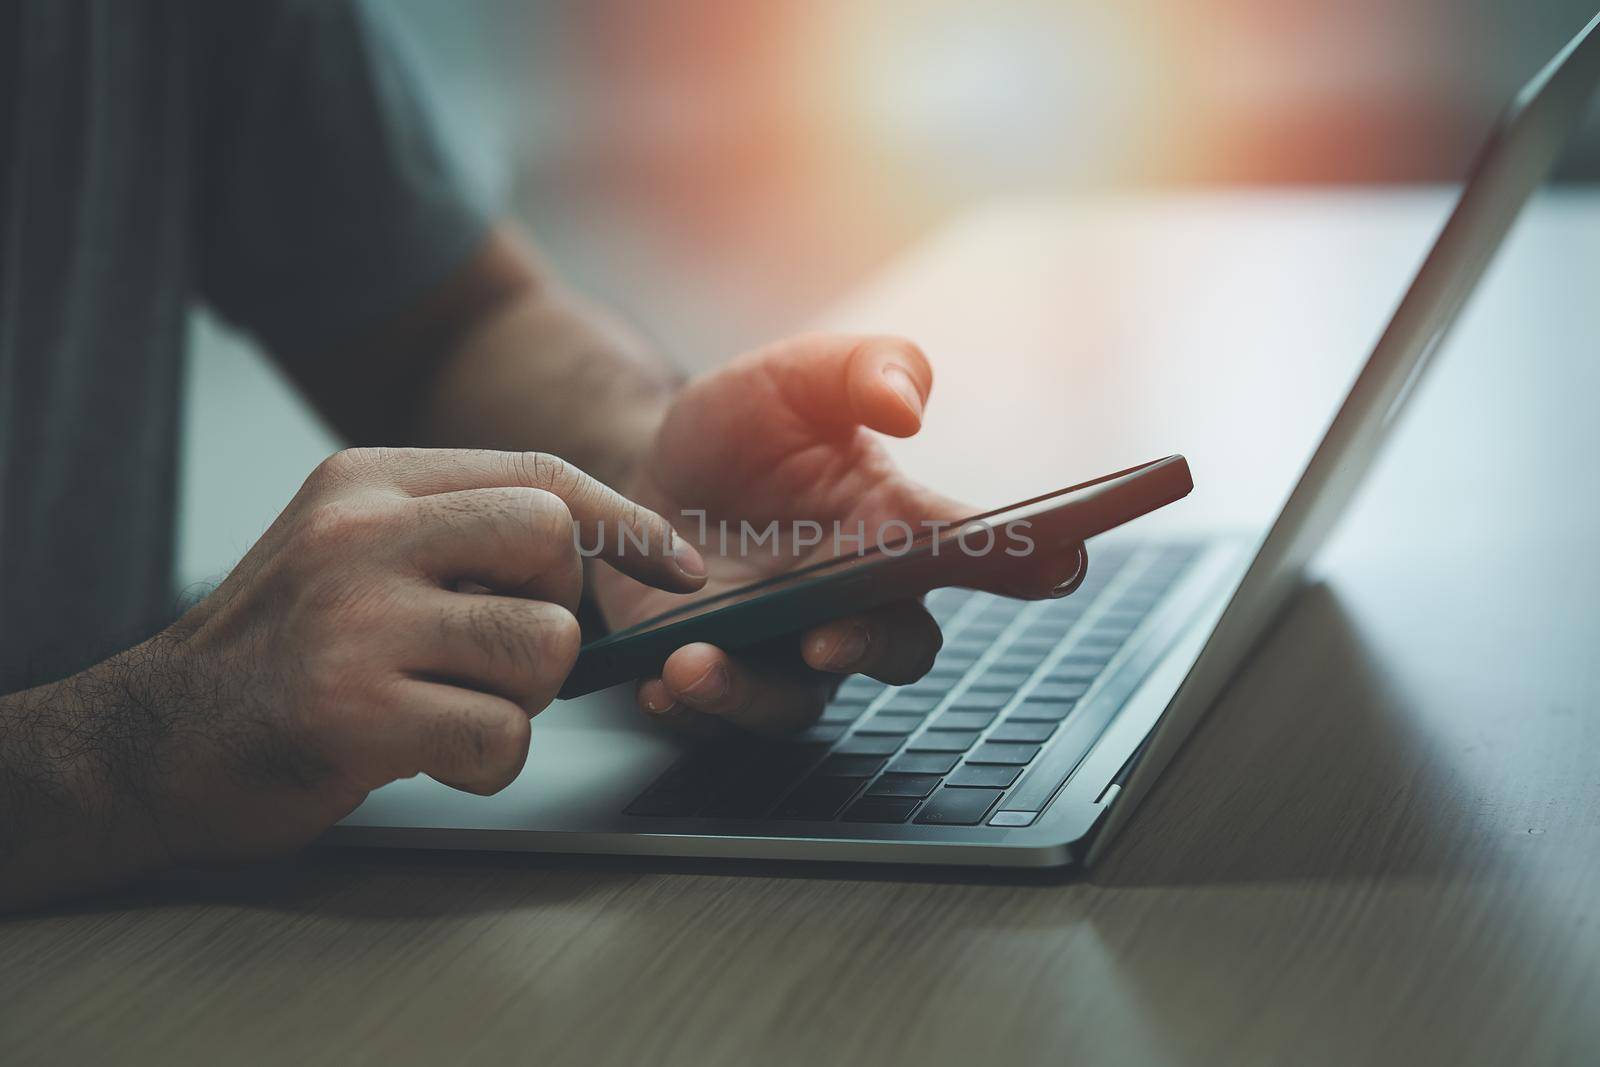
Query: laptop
(1042, 725)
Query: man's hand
(407, 613)
(788, 434)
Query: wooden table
(1383, 846)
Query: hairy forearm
(82, 780)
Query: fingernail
(658, 704)
(710, 686)
(905, 387)
(849, 649)
(688, 558)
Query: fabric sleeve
(330, 198)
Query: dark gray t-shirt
(270, 157)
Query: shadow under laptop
(1308, 768)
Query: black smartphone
(970, 553)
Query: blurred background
(722, 170)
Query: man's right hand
(408, 613)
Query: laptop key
(980, 699)
(983, 776)
(1032, 733)
(882, 809)
(958, 807)
(875, 745)
(1008, 681)
(1013, 818)
(904, 785)
(922, 763)
(1003, 752)
(1120, 629)
(911, 703)
(944, 741)
(1031, 710)
(1059, 690)
(890, 724)
(1074, 672)
(842, 712)
(859, 690)
(838, 766)
(962, 720)
(750, 798)
(665, 805)
(818, 798)
(818, 734)
(694, 769)
(768, 766)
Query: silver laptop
(1042, 725)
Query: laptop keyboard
(987, 737)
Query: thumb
(1049, 572)
(838, 382)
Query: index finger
(632, 538)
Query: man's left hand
(788, 435)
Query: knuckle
(347, 465)
(488, 625)
(503, 748)
(338, 463)
(528, 524)
(494, 747)
(541, 470)
(539, 641)
(554, 641)
(336, 525)
(548, 517)
(563, 638)
(652, 528)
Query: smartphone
(973, 552)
